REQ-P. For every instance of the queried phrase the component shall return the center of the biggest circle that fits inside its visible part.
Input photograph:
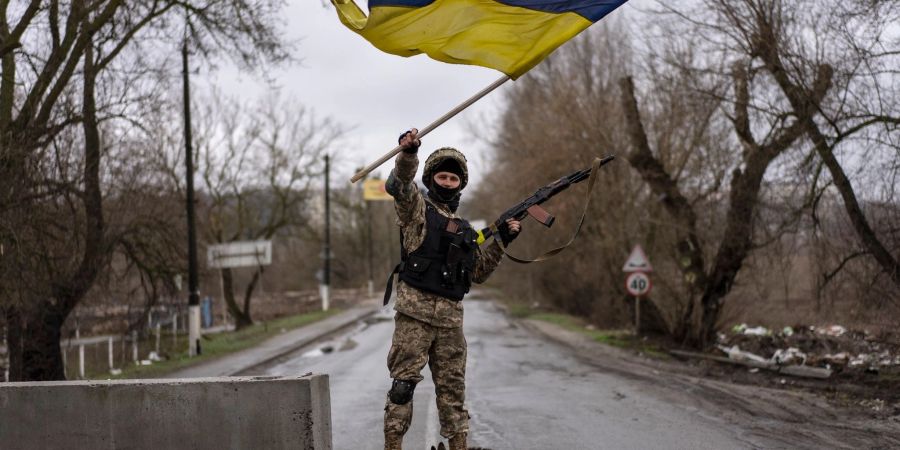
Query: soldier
(440, 260)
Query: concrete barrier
(200, 413)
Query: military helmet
(439, 156)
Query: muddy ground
(856, 409)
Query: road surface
(524, 392)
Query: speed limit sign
(638, 284)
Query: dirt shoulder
(774, 410)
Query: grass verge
(616, 338)
(218, 345)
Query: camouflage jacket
(410, 204)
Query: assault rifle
(531, 205)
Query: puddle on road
(340, 343)
(313, 353)
(330, 347)
(335, 344)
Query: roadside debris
(813, 352)
(831, 347)
(833, 330)
(755, 331)
(789, 356)
(849, 367)
(736, 356)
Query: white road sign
(637, 261)
(638, 284)
(239, 254)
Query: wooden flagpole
(359, 175)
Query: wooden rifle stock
(541, 215)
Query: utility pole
(326, 253)
(193, 291)
(369, 244)
(367, 204)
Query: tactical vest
(443, 264)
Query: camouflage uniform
(428, 327)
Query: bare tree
(74, 74)
(557, 119)
(726, 160)
(257, 163)
(771, 37)
(863, 110)
(714, 285)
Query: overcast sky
(374, 94)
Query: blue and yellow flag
(511, 36)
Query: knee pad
(401, 392)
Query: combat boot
(393, 441)
(458, 442)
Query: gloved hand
(409, 141)
(509, 230)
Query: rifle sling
(595, 167)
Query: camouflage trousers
(444, 349)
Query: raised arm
(401, 185)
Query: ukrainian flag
(511, 36)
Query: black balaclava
(440, 194)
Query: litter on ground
(831, 346)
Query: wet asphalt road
(523, 393)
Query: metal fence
(161, 336)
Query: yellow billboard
(373, 189)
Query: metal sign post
(239, 254)
(236, 254)
(637, 283)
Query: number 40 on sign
(638, 284)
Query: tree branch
(806, 105)
(654, 174)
